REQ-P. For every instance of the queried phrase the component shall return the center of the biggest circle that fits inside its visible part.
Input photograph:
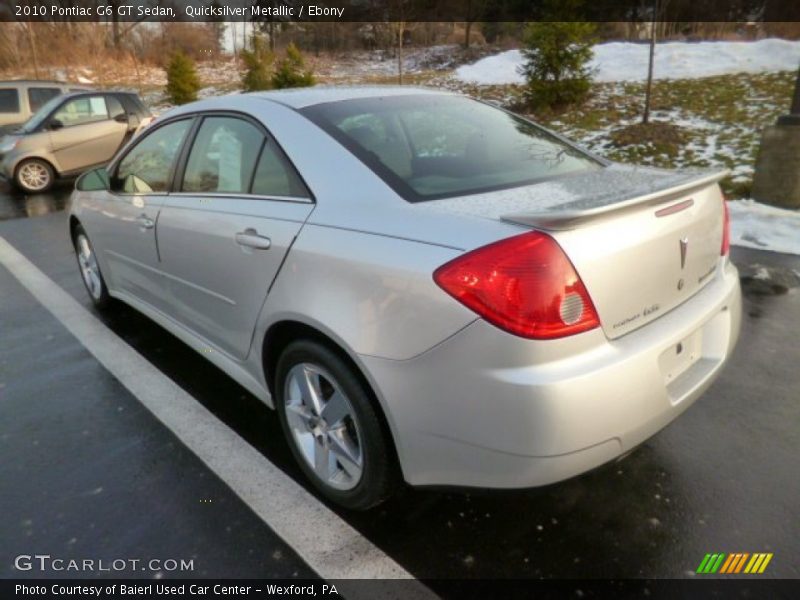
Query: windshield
(430, 146)
(41, 114)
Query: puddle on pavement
(16, 205)
(760, 281)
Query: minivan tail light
(525, 285)
(726, 229)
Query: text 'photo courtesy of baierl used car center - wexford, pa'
(399, 299)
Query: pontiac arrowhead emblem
(684, 248)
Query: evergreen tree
(292, 71)
(258, 63)
(556, 68)
(182, 80)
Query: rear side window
(9, 101)
(148, 166)
(114, 107)
(223, 156)
(38, 96)
(133, 104)
(276, 177)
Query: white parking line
(327, 543)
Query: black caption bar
(510, 589)
(398, 10)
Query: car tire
(34, 176)
(333, 429)
(90, 269)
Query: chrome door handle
(251, 239)
(145, 222)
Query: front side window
(79, 111)
(38, 97)
(431, 146)
(223, 156)
(148, 166)
(9, 101)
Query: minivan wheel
(90, 269)
(34, 175)
(332, 427)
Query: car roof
(9, 82)
(304, 97)
(90, 92)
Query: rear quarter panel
(373, 294)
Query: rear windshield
(429, 146)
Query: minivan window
(38, 96)
(79, 111)
(40, 115)
(223, 156)
(148, 166)
(9, 101)
(431, 146)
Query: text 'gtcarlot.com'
(45, 562)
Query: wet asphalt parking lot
(88, 471)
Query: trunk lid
(642, 240)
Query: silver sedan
(426, 288)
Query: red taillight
(726, 229)
(525, 285)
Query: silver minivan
(68, 135)
(19, 100)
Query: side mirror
(93, 181)
(55, 125)
(121, 118)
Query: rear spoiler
(565, 217)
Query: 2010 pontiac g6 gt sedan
(426, 288)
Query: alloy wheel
(323, 426)
(34, 176)
(90, 271)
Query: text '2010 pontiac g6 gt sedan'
(425, 287)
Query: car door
(223, 234)
(122, 221)
(82, 133)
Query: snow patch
(627, 61)
(763, 227)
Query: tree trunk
(649, 88)
(136, 67)
(233, 39)
(400, 31)
(272, 36)
(34, 54)
(116, 36)
(467, 31)
(795, 109)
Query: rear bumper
(488, 409)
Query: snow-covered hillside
(763, 227)
(625, 61)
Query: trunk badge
(684, 248)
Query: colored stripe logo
(736, 563)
